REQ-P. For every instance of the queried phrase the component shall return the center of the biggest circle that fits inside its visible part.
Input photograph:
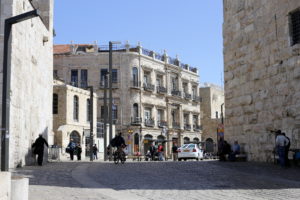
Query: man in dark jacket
(152, 151)
(38, 146)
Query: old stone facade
(150, 91)
(31, 63)
(261, 64)
(71, 116)
(212, 108)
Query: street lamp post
(91, 113)
(110, 95)
(105, 116)
(6, 86)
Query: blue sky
(192, 28)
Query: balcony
(197, 127)
(176, 125)
(187, 127)
(148, 87)
(135, 84)
(161, 124)
(149, 122)
(187, 96)
(176, 93)
(161, 90)
(197, 99)
(136, 121)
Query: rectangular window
(114, 75)
(195, 120)
(88, 110)
(186, 118)
(55, 74)
(102, 112)
(55, 104)
(84, 78)
(103, 72)
(100, 130)
(147, 114)
(295, 27)
(115, 112)
(74, 77)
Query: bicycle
(119, 155)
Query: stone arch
(76, 137)
(186, 140)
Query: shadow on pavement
(190, 175)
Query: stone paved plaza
(162, 180)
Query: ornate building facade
(155, 97)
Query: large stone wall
(261, 74)
(31, 63)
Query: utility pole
(91, 122)
(105, 116)
(5, 134)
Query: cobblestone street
(162, 180)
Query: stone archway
(76, 137)
(186, 140)
(196, 140)
(148, 139)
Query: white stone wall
(31, 80)
(261, 74)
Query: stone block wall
(31, 62)
(261, 74)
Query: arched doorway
(186, 140)
(75, 136)
(196, 140)
(209, 145)
(148, 139)
(136, 142)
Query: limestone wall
(31, 63)
(261, 74)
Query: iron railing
(187, 127)
(161, 124)
(176, 125)
(136, 120)
(187, 96)
(161, 90)
(148, 87)
(176, 93)
(149, 122)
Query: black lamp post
(91, 113)
(6, 86)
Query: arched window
(88, 110)
(135, 76)
(135, 110)
(75, 108)
(55, 104)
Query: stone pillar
(19, 188)
(5, 185)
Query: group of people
(155, 151)
(225, 149)
(282, 146)
(74, 149)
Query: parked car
(190, 151)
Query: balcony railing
(161, 124)
(173, 61)
(159, 57)
(147, 52)
(161, 90)
(193, 69)
(149, 122)
(187, 96)
(184, 66)
(136, 121)
(135, 84)
(148, 87)
(197, 127)
(176, 93)
(197, 98)
(176, 125)
(187, 127)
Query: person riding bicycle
(119, 142)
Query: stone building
(150, 91)
(262, 73)
(71, 116)
(212, 112)
(31, 63)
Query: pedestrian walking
(38, 146)
(152, 151)
(95, 152)
(175, 152)
(160, 151)
(286, 150)
(78, 151)
(71, 149)
(281, 143)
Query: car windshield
(191, 146)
